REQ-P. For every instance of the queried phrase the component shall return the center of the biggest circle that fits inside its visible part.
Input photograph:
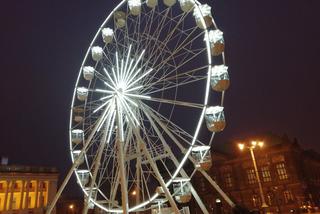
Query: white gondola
(169, 3)
(181, 189)
(216, 42)
(107, 35)
(96, 53)
(93, 191)
(88, 72)
(160, 207)
(120, 19)
(219, 80)
(78, 118)
(202, 156)
(135, 7)
(204, 11)
(82, 93)
(152, 3)
(77, 136)
(77, 112)
(215, 119)
(76, 154)
(84, 176)
(186, 5)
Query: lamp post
(251, 147)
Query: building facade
(290, 178)
(25, 189)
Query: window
(1, 186)
(43, 185)
(228, 179)
(266, 175)
(288, 197)
(16, 185)
(256, 200)
(282, 172)
(30, 185)
(251, 176)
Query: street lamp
(251, 147)
(71, 208)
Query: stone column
(26, 201)
(42, 184)
(11, 195)
(36, 193)
(22, 194)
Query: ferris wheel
(151, 83)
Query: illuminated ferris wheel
(152, 80)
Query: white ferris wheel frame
(199, 124)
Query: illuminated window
(251, 176)
(228, 179)
(288, 197)
(256, 200)
(282, 172)
(266, 175)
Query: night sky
(272, 50)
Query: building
(290, 178)
(26, 189)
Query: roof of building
(229, 150)
(27, 169)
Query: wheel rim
(148, 95)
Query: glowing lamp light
(253, 143)
(241, 146)
(71, 206)
(260, 144)
(134, 192)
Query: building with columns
(26, 189)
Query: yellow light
(134, 192)
(253, 143)
(261, 143)
(241, 146)
(71, 206)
